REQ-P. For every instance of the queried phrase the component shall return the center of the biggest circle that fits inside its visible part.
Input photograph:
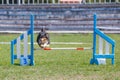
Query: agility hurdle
(101, 56)
(25, 58)
(98, 58)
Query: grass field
(60, 64)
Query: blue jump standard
(31, 33)
(105, 37)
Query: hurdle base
(24, 61)
(101, 61)
(30, 61)
(98, 61)
(94, 61)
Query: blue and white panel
(101, 51)
(18, 48)
(25, 44)
(24, 58)
(107, 46)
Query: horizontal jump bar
(87, 48)
(68, 43)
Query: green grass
(60, 64)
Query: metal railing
(26, 2)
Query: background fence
(19, 2)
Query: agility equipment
(68, 43)
(66, 48)
(27, 58)
(70, 48)
(103, 54)
(97, 57)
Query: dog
(43, 39)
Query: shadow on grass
(17, 64)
